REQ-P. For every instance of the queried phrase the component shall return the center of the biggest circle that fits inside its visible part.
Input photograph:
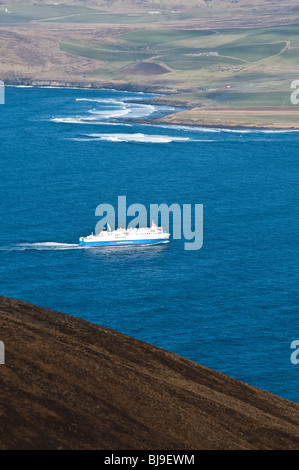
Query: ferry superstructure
(130, 236)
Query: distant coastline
(193, 117)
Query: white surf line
(137, 137)
(41, 246)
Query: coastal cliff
(71, 384)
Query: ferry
(130, 236)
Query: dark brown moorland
(70, 384)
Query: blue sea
(231, 305)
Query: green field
(193, 63)
(252, 52)
(187, 46)
(107, 18)
(94, 51)
(241, 67)
(270, 35)
(288, 58)
(62, 13)
(23, 13)
(251, 99)
(157, 37)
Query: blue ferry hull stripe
(123, 242)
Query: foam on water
(106, 109)
(111, 114)
(75, 120)
(55, 246)
(88, 121)
(41, 246)
(226, 129)
(100, 100)
(124, 109)
(137, 137)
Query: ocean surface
(231, 305)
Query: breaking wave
(107, 109)
(75, 120)
(137, 137)
(87, 120)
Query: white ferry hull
(123, 242)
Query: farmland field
(184, 53)
(220, 62)
(22, 13)
(94, 51)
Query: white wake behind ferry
(130, 236)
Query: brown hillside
(70, 384)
